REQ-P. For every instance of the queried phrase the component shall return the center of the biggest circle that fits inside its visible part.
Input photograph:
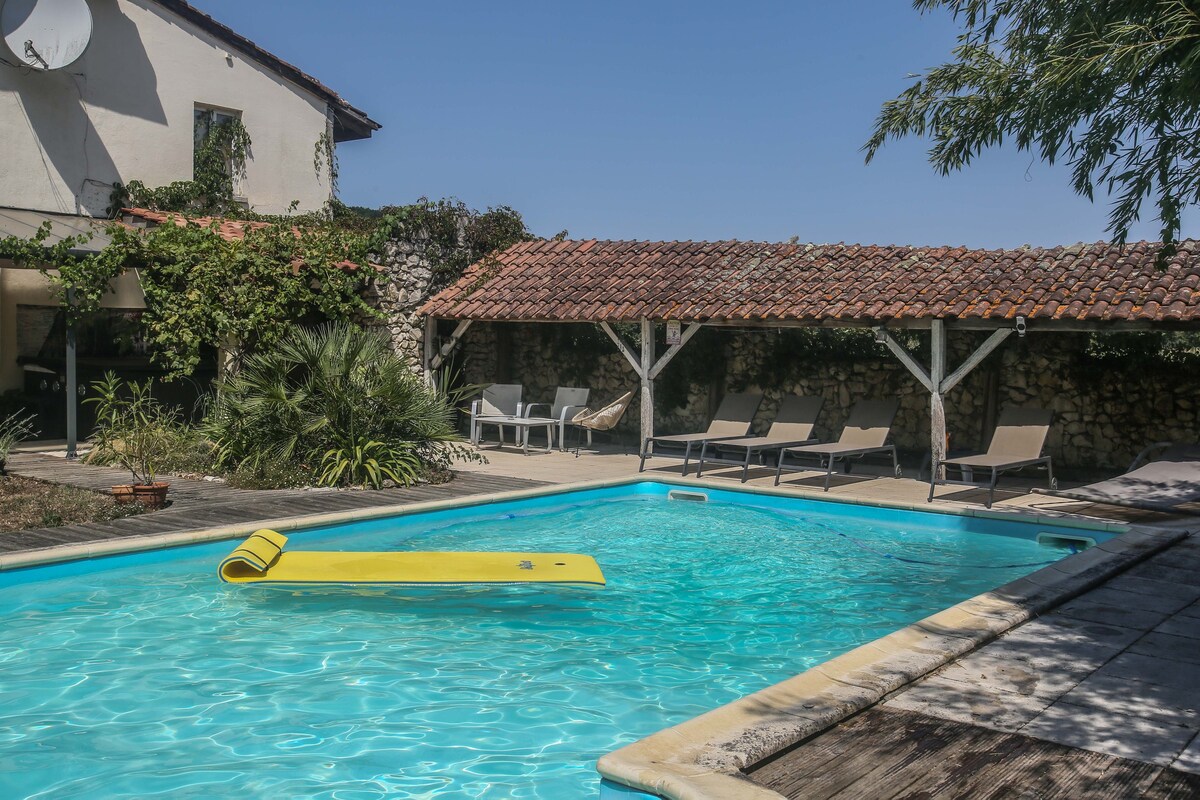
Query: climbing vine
(325, 160)
(222, 147)
(204, 290)
(457, 236)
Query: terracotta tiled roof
(229, 229)
(756, 282)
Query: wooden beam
(625, 349)
(662, 362)
(937, 406)
(427, 360)
(448, 348)
(906, 359)
(647, 381)
(983, 351)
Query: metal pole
(72, 393)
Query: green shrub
(335, 401)
(16, 427)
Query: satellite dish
(46, 34)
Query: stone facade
(409, 283)
(1103, 414)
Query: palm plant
(337, 401)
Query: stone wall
(408, 285)
(1104, 414)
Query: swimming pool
(143, 674)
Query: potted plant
(134, 430)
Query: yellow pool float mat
(261, 559)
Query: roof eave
(350, 123)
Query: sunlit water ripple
(154, 679)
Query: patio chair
(793, 426)
(732, 421)
(1161, 484)
(866, 432)
(1017, 442)
(568, 403)
(500, 402)
(605, 419)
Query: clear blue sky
(630, 119)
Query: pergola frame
(937, 379)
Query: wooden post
(647, 362)
(937, 408)
(430, 337)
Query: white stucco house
(127, 109)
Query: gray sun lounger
(793, 426)
(866, 432)
(1172, 480)
(1017, 442)
(732, 421)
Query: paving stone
(1103, 731)
(1019, 677)
(984, 705)
(1163, 602)
(1067, 629)
(1181, 625)
(1131, 583)
(1084, 608)
(1133, 698)
(1164, 645)
(1191, 611)
(1189, 759)
(1150, 669)
(1158, 570)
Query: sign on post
(674, 333)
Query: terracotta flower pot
(123, 493)
(151, 495)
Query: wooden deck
(886, 753)
(196, 505)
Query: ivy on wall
(457, 236)
(220, 156)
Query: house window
(206, 121)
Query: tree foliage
(1111, 87)
(458, 235)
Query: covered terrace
(732, 284)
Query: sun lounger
(793, 426)
(1171, 480)
(1018, 441)
(866, 432)
(732, 421)
(500, 402)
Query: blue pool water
(144, 676)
